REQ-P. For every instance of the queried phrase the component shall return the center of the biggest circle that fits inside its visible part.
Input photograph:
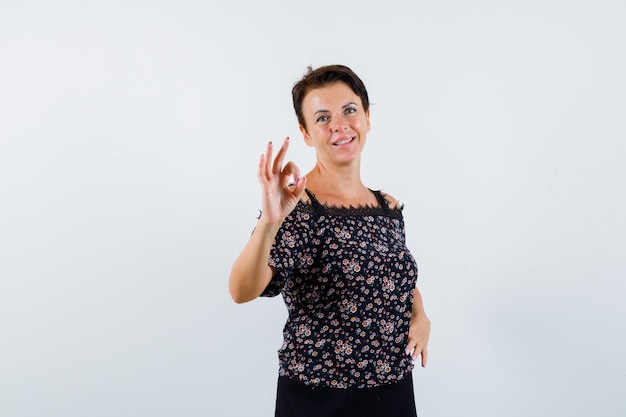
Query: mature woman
(336, 251)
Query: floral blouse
(347, 279)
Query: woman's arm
(250, 273)
(419, 332)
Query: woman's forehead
(332, 95)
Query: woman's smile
(343, 141)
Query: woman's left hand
(419, 333)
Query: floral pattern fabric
(347, 279)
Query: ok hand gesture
(279, 198)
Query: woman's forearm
(418, 306)
(251, 273)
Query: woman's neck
(341, 187)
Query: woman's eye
(322, 119)
(350, 110)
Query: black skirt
(294, 399)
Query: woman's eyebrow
(343, 107)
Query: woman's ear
(305, 135)
(367, 116)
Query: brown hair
(322, 77)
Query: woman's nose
(339, 123)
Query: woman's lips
(343, 141)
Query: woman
(336, 251)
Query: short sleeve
(287, 251)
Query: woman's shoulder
(392, 202)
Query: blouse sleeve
(287, 251)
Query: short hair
(322, 77)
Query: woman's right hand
(278, 197)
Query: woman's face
(337, 124)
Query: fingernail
(408, 352)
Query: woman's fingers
(268, 167)
(418, 342)
(263, 171)
(278, 161)
(424, 357)
(415, 350)
(290, 170)
(300, 186)
(419, 334)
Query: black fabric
(317, 207)
(294, 399)
(383, 205)
(381, 200)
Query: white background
(129, 137)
